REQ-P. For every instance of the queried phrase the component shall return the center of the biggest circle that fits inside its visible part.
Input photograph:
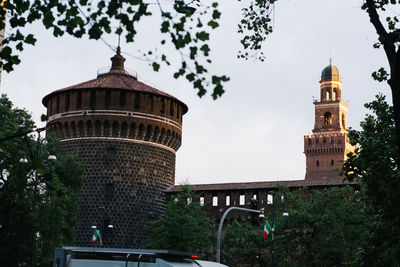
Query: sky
(255, 131)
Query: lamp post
(222, 223)
(35, 161)
(272, 193)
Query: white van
(111, 257)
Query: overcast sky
(255, 131)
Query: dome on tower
(330, 72)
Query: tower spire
(118, 61)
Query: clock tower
(327, 147)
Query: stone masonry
(126, 134)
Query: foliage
(324, 228)
(374, 166)
(244, 245)
(49, 198)
(186, 30)
(184, 227)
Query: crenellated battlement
(327, 147)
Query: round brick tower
(126, 134)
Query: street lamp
(272, 193)
(222, 223)
(51, 157)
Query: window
(201, 201)
(242, 200)
(317, 163)
(215, 201)
(122, 99)
(327, 118)
(162, 109)
(66, 103)
(79, 99)
(270, 199)
(107, 98)
(151, 103)
(137, 101)
(332, 162)
(228, 200)
(92, 98)
(171, 108)
(58, 103)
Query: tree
(187, 31)
(184, 227)
(324, 228)
(243, 245)
(50, 199)
(373, 166)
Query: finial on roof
(117, 61)
(330, 56)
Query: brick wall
(139, 175)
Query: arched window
(149, 132)
(89, 128)
(162, 136)
(115, 128)
(106, 128)
(97, 128)
(81, 132)
(141, 131)
(124, 129)
(332, 162)
(317, 163)
(327, 118)
(73, 129)
(66, 130)
(132, 130)
(156, 134)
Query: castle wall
(125, 187)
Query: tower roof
(330, 72)
(116, 78)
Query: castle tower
(327, 147)
(126, 134)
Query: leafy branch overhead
(187, 30)
(185, 25)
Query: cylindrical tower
(126, 134)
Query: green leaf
(156, 66)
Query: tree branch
(384, 37)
